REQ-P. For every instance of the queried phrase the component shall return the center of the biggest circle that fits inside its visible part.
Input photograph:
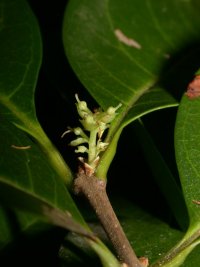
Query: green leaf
(5, 232)
(163, 176)
(193, 258)
(122, 51)
(20, 53)
(112, 71)
(187, 146)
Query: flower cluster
(95, 123)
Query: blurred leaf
(123, 51)
(197, 72)
(20, 53)
(5, 232)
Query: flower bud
(111, 110)
(89, 123)
(78, 141)
(110, 114)
(78, 131)
(81, 149)
(82, 108)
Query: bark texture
(94, 190)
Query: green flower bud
(109, 115)
(89, 123)
(78, 131)
(82, 108)
(78, 141)
(111, 110)
(81, 149)
(82, 105)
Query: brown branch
(94, 190)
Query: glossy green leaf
(20, 53)
(121, 51)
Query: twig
(94, 190)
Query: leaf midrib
(20, 115)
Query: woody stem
(94, 190)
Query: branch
(94, 190)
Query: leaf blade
(110, 69)
(187, 145)
(21, 53)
